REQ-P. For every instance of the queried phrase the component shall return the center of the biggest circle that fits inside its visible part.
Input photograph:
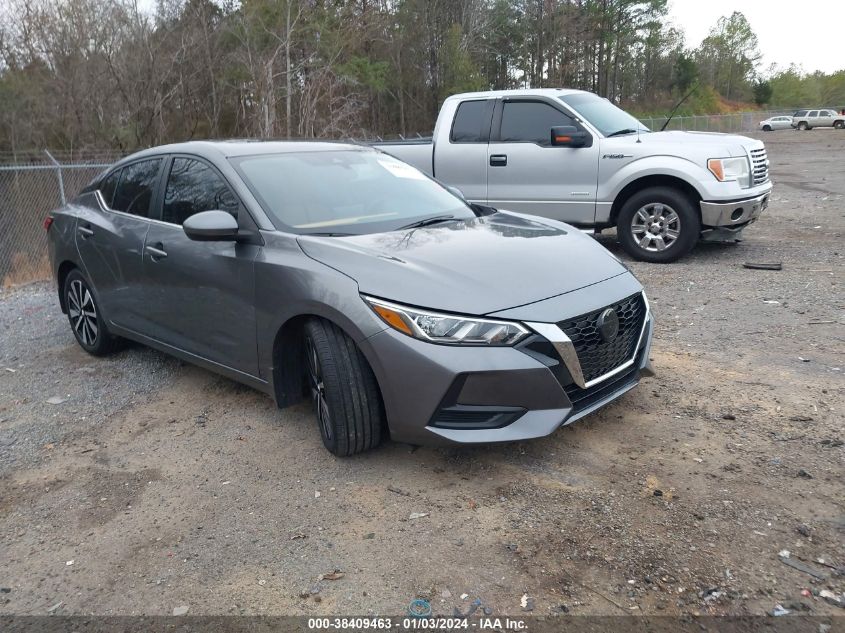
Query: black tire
(85, 317)
(839, 124)
(658, 215)
(767, 128)
(343, 389)
(803, 126)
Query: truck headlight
(449, 329)
(730, 169)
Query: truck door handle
(156, 252)
(498, 160)
(84, 232)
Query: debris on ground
(445, 594)
(804, 530)
(369, 536)
(180, 610)
(803, 567)
(804, 474)
(779, 610)
(417, 515)
(398, 491)
(333, 575)
(297, 536)
(832, 598)
(526, 602)
(56, 400)
(763, 265)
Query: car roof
(216, 149)
(526, 92)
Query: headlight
(449, 329)
(728, 169)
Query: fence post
(59, 174)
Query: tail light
(48, 222)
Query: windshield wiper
(627, 130)
(427, 222)
(329, 234)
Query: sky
(814, 42)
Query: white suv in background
(808, 119)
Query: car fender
(694, 175)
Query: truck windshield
(345, 192)
(603, 115)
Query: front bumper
(733, 214)
(441, 395)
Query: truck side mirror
(569, 136)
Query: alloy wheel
(655, 226)
(83, 313)
(318, 389)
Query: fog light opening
(737, 214)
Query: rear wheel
(343, 390)
(658, 225)
(839, 124)
(86, 320)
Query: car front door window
(530, 122)
(193, 187)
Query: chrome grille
(759, 166)
(596, 356)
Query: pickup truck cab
(573, 156)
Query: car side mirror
(569, 136)
(211, 226)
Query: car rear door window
(814, 113)
(107, 187)
(530, 122)
(134, 193)
(469, 122)
(193, 187)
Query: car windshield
(345, 192)
(603, 115)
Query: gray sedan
(776, 123)
(337, 273)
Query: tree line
(77, 74)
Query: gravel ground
(153, 484)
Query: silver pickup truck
(574, 156)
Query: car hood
(714, 144)
(477, 266)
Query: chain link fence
(736, 122)
(32, 185)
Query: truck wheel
(86, 320)
(803, 126)
(343, 389)
(658, 225)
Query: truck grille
(759, 166)
(596, 356)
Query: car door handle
(84, 232)
(498, 160)
(156, 253)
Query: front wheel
(803, 126)
(767, 128)
(343, 389)
(658, 225)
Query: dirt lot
(153, 484)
